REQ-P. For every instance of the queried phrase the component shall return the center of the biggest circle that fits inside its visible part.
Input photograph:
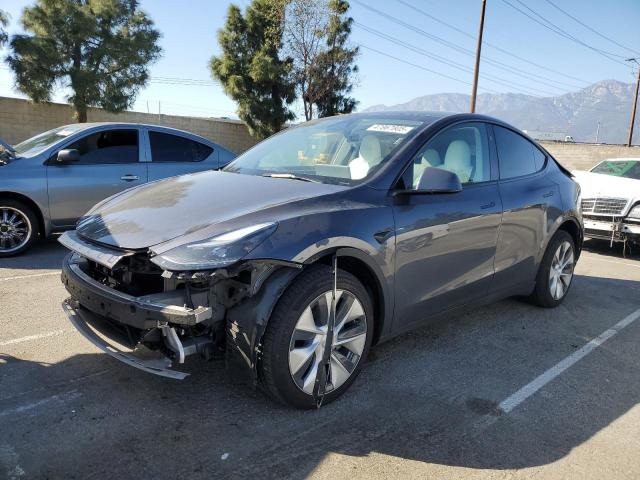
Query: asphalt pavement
(505, 391)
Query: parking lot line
(532, 387)
(617, 262)
(59, 399)
(33, 337)
(18, 277)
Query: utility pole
(476, 70)
(598, 131)
(635, 102)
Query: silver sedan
(47, 182)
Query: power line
(459, 48)
(421, 67)
(502, 50)
(558, 31)
(590, 28)
(525, 89)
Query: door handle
(548, 194)
(130, 178)
(488, 205)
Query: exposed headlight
(635, 212)
(215, 252)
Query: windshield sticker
(64, 133)
(398, 129)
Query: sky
(405, 52)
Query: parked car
(611, 200)
(302, 253)
(49, 181)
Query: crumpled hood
(600, 185)
(160, 211)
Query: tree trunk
(81, 114)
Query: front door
(446, 243)
(109, 163)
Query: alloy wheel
(561, 271)
(309, 336)
(15, 229)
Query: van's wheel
(556, 271)
(18, 227)
(295, 337)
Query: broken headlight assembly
(215, 252)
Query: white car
(611, 200)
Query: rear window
(517, 156)
(174, 148)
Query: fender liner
(247, 321)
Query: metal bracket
(322, 376)
(173, 342)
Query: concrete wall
(21, 119)
(583, 156)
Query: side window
(110, 146)
(517, 156)
(463, 150)
(173, 148)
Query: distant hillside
(576, 114)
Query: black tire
(32, 225)
(275, 377)
(542, 295)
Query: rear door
(109, 163)
(446, 243)
(531, 201)
(173, 154)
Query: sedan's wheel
(561, 271)
(18, 228)
(556, 271)
(296, 337)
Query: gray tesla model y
(320, 242)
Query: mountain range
(599, 112)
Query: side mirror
(436, 180)
(68, 156)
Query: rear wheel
(296, 336)
(18, 227)
(556, 271)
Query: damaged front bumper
(616, 230)
(125, 326)
(89, 325)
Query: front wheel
(296, 336)
(556, 271)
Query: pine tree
(99, 49)
(335, 66)
(251, 69)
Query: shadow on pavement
(429, 396)
(604, 247)
(46, 254)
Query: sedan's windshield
(34, 145)
(343, 150)
(619, 168)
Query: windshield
(619, 168)
(342, 150)
(34, 145)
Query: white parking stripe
(48, 402)
(18, 277)
(28, 338)
(525, 392)
(617, 262)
